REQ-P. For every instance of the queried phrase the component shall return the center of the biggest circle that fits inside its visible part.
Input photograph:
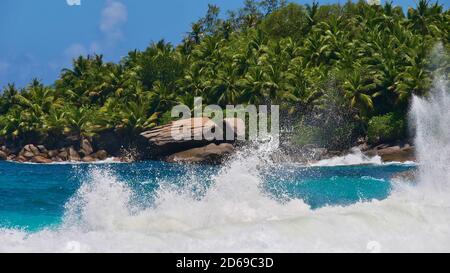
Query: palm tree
(424, 18)
(252, 86)
(79, 122)
(7, 98)
(135, 119)
(357, 91)
(224, 89)
(316, 48)
(414, 79)
(311, 14)
(161, 97)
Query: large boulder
(178, 136)
(86, 148)
(211, 153)
(100, 155)
(73, 155)
(28, 151)
(398, 153)
(27, 154)
(179, 131)
(31, 148)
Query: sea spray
(234, 214)
(355, 157)
(99, 204)
(431, 117)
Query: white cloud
(114, 15)
(75, 50)
(73, 2)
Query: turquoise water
(33, 197)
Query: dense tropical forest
(338, 72)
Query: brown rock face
(45, 155)
(27, 154)
(21, 158)
(180, 136)
(88, 159)
(40, 160)
(86, 148)
(53, 153)
(73, 155)
(56, 159)
(397, 153)
(100, 155)
(211, 153)
(185, 130)
(31, 148)
(64, 155)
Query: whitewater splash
(235, 214)
(355, 157)
(432, 119)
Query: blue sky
(40, 37)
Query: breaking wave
(235, 214)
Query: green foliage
(386, 128)
(331, 68)
(159, 63)
(331, 123)
(287, 22)
(306, 134)
(333, 137)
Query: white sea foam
(235, 216)
(355, 157)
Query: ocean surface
(34, 197)
(250, 204)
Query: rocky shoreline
(41, 155)
(397, 152)
(156, 144)
(160, 144)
